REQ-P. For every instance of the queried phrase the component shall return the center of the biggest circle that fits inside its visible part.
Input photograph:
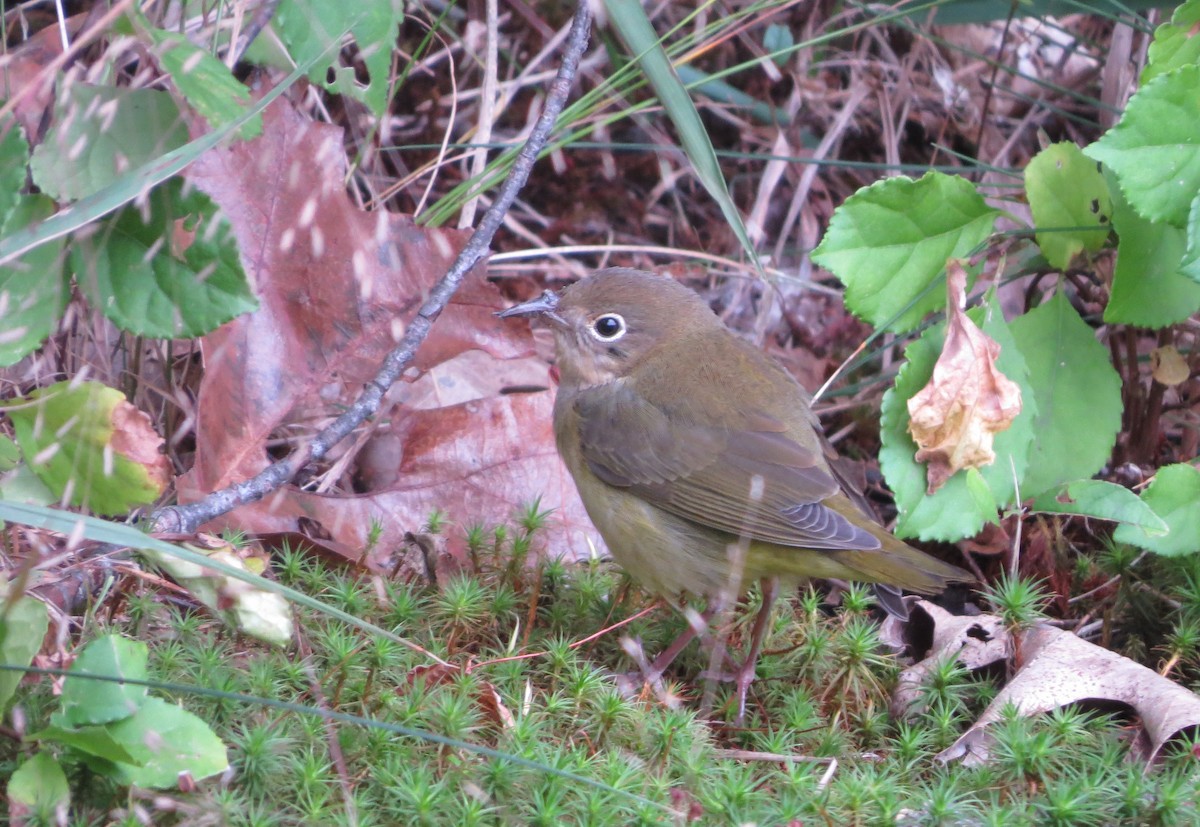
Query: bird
(699, 459)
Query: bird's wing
(753, 482)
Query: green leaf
(889, 243)
(1150, 288)
(99, 133)
(1078, 396)
(629, 19)
(86, 701)
(1189, 264)
(205, 82)
(90, 740)
(1066, 190)
(23, 624)
(23, 486)
(778, 38)
(169, 271)
(14, 157)
(1155, 148)
(168, 741)
(1175, 44)
(34, 288)
(1102, 500)
(69, 439)
(960, 507)
(133, 184)
(10, 454)
(1173, 495)
(39, 789)
(312, 30)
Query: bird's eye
(609, 327)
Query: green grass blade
(631, 23)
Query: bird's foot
(744, 677)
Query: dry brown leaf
(483, 460)
(955, 417)
(336, 284)
(1057, 669)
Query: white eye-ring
(608, 328)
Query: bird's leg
(697, 626)
(762, 622)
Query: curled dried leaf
(954, 418)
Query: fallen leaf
(337, 286)
(1057, 668)
(976, 641)
(955, 417)
(483, 461)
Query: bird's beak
(544, 306)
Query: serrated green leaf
(33, 288)
(86, 702)
(1149, 287)
(1175, 44)
(1102, 500)
(960, 507)
(1066, 192)
(134, 184)
(1078, 396)
(66, 432)
(889, 243)
(171, 270)
(39, 788)
(168, 742)
(205, 82)
(1154, 149)
(311, 29)
(1173, 495)
(99, 133)
(23, 624)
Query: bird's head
(607, 324)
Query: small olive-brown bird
(699, 459)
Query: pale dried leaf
(954, 418)
(1057, 668)
(1168, 366)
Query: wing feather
(759, 483)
